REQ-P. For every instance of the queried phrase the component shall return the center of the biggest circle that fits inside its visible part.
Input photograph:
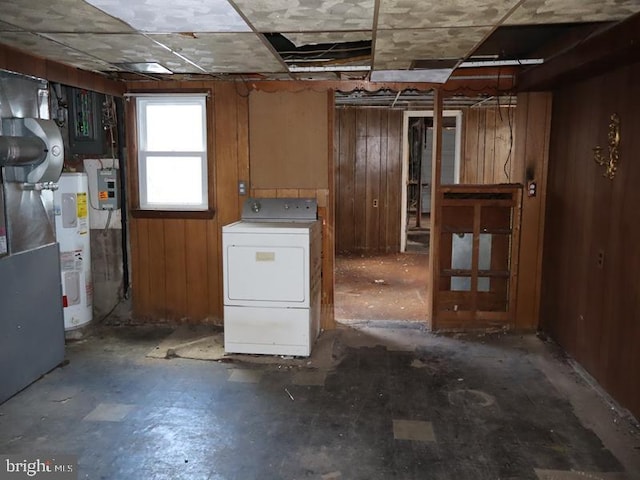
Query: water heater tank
(71, 210)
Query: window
(172, 152)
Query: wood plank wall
(592, 308)
(488, 143)
(21, 62)
(530, 163)
(368, 157)
(511, 145)
(176, 263)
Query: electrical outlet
(600, 259)
(375, 203)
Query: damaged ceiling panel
(415, 100)
(401, 14)
(331, 53)
(5, 27)
(45, 48)
(223, 52)
(572, 11)
(315, 38)
(531, 41)
(308, 15)
(59, 16)
(124, 48)
(319, 39)
(176, 16)
(392, 46)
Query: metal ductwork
(21, 151)
(32, 150)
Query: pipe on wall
(15, 151)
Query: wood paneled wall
(591, 306)
(530, 164)
(511, 145)
(488, 141)
(177, 263)
(368, 158)
(22, 62)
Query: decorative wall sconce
(611, 163)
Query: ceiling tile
(224, 52)
(51, 50)
(59, 16)
(166, 16)
(5, 27)
(123, 48)
(308, 15)
(396, 49)
(314, 38)
(572, 11)
(404, 14)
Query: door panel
(266, 273)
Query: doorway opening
(377, 278)
(417, 181)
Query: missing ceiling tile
(434, 63)
(320, 53)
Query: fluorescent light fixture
(436, 75)
(503, 63)
(145, 67)
(330, 68)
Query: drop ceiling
(192, 38)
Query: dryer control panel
(279, 209)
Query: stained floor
(384, 403)
(381, 287)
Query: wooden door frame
(405, 162)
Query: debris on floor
(376, 401)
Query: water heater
(71, 208)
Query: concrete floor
(378, 400)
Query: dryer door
(266, 268)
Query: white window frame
(143, 153)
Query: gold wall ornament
(611, 163)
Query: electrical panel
(108, 189)
(86, 132)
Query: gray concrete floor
(377, 400)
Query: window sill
(184, 214)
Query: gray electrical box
(108, 189)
